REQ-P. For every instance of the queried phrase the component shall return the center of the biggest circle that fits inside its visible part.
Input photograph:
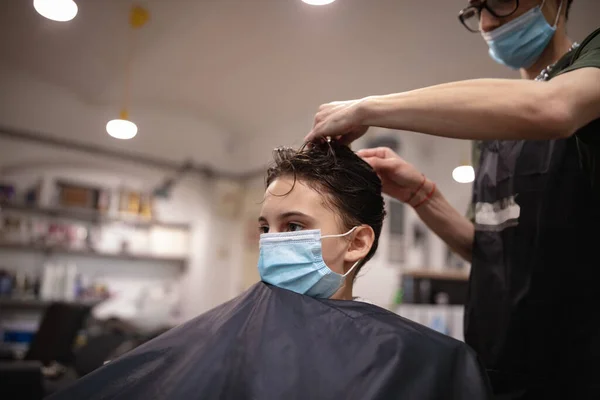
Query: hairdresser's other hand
(341, 120)
(400, 179)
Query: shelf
(440, 275)
(90, 216)
(34, 303)
(90, 253)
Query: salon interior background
(220, 84)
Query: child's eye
(263, 229)
(294, 227)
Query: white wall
(208, 276)
(446, 155)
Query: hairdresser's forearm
(474, 109)
(443, 219)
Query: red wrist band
(426, 198)
(413, 194)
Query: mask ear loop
(351, 268)
(341, 234)
(348, 273)
(558, 13)
(356, 263)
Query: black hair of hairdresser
(349, 186)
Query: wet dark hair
(569, 2)
(348, 185)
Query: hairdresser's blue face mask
(520, 42)
(294, 261)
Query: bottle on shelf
(46, 284)
(6, 283)
(69, 282)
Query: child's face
(302, 209)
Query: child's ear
(360, 243)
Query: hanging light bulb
(318, 2)
(463, 174)
(122, 128)
(56, 10)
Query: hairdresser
(533, 310)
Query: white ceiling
(224, 81)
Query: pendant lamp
(123, 128)
(56, 10)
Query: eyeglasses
(470, 15)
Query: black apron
(274, 344)
(532, 312)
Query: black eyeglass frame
(480, 6)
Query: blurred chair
(52, 346)
(97, 351)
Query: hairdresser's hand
(341, 120)
(400, 179)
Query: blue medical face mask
(520, 42)
(294, 261)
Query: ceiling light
(463, 174)
(318, 2)
(121, 128)
(56, 10)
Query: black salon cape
(270, 343)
